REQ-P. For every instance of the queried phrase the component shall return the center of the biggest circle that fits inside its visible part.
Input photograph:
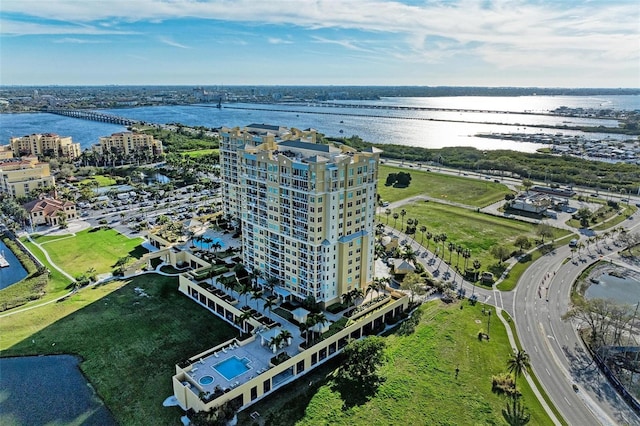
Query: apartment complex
(129, 143)
(20, 176)
(6, 153)
(47, 144)
(307, 209)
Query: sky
(541, 43)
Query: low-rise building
(46, 144)
(18, 177)
(50, 211)
(129, 143)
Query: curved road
(557, 355)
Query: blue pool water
(232, 367)
(205, 245)
(206, 380)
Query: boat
(3, 261)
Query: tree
(429, 236)
(527, 183)
(245, 289)
(257, 295)
(387, 212)
(395, 219)
(451, 247)
(241, 320)
(500, 253)
(269, 304)
(522, 242)
(605, 320)
(413, 283)
(423, 229)
(466, 254)
(584, 216)
(544, 231)
(476, 267)
(515, 413)
(443, 239)
(517, 364)
(363, 358)
(403, 213)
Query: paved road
(558, 357)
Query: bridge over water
(93, 116)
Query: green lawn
(130, 344)
(420, 386)
(101, 179)
(459, 189)
(472, 230)
(200, 152)
(91, 248)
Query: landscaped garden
(458, 189)
(421, 386)
(130, 342)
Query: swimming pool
(206, 380)
(232, 367)
(208, 241)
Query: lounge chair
(216, 355)
(224, 350)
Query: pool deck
(257, 354)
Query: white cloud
(73, 40)
(170, 42)
(518, 32)
(275, 40)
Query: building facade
(50, 211)
(47, 144)
(307, 209)
(129, 143)
(20, 176)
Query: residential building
(307, 209)
(6, 153)
(129, 143)
(46, 144)
(50, 211)
(18, 177)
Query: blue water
(232, 367)
(206, 380)
(411, 128)
(621, 290)
(14, 272)
(203, 245)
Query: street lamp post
(488, 323)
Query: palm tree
(443, 238)
(269, 304)
(409, 255)
(241, 320)
(423, 229)
(409, 225)
(245, 289)
(515, 413)
(517, 364)
(357, 294)
(459, 250)
(403, 213)
(387, 212)
(466, 254)
(319, 319)
(429, 236)
(395, 219)
(436, 240)
(451, 246)
(275, 343)
(272, 282)
(286, 336)
(256, 295)
(347, 299)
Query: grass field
(101, 179)
(472, 230)
(420, 387)
(459, 189)
(200, 152)
(130, 344)
(91, 248)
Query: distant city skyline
(569, 43)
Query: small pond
(620, 289)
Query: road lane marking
(547, 370)
(565, 398)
